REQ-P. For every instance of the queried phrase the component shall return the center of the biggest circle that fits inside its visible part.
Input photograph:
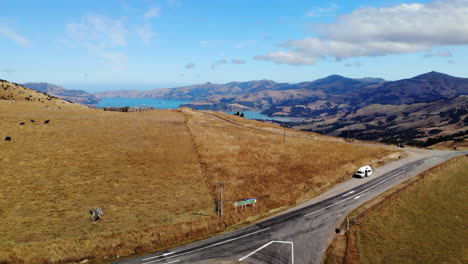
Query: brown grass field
(424, 225)
(154, 173)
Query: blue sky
(143, 44)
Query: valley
(154, 173)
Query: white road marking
(210, 246)
(269, 243)
(325, 208)
(160, 260)
(348, 193)
(359, 196)
(163, 255)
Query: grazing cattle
(96, 214)
(32, 121)
(8, 139)
(46, 122)
(22, 123)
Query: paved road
(302, 234)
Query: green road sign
(246, 202)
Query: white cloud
(329, 10)
(8, 32)
(145, 33)
(237, 61)
(98, 34)
(283, 57)
(100, 29)
(438, 54)
(370, 31)
(152, 12)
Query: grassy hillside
(18, 93)
(154, 173)
(77, 96)
(424, 225)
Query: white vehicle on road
(364, 171)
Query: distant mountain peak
(334, 76)
(432, 74)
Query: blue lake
(156, 103)
(172, 104)
(258, 116)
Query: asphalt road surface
(302, 234)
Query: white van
(364, 172)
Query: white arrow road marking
(163, 255)
(269, 243)
(210, 246)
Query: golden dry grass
(154, 173)
(140, 167)
(257, 164)
(426, 224)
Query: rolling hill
(76, 96)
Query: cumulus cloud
(371, 31)
(100, 29)
(237, 61)
(99, 34)
(145, 32)
(287, 57)
(438, 54)
(152, 12)
(190, 66)
(8, 32)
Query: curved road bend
(299, 235)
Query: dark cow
(32, 121)
(8, 139)
(22, 123)
(46, 122)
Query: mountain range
(307, 99)
(425, 108)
